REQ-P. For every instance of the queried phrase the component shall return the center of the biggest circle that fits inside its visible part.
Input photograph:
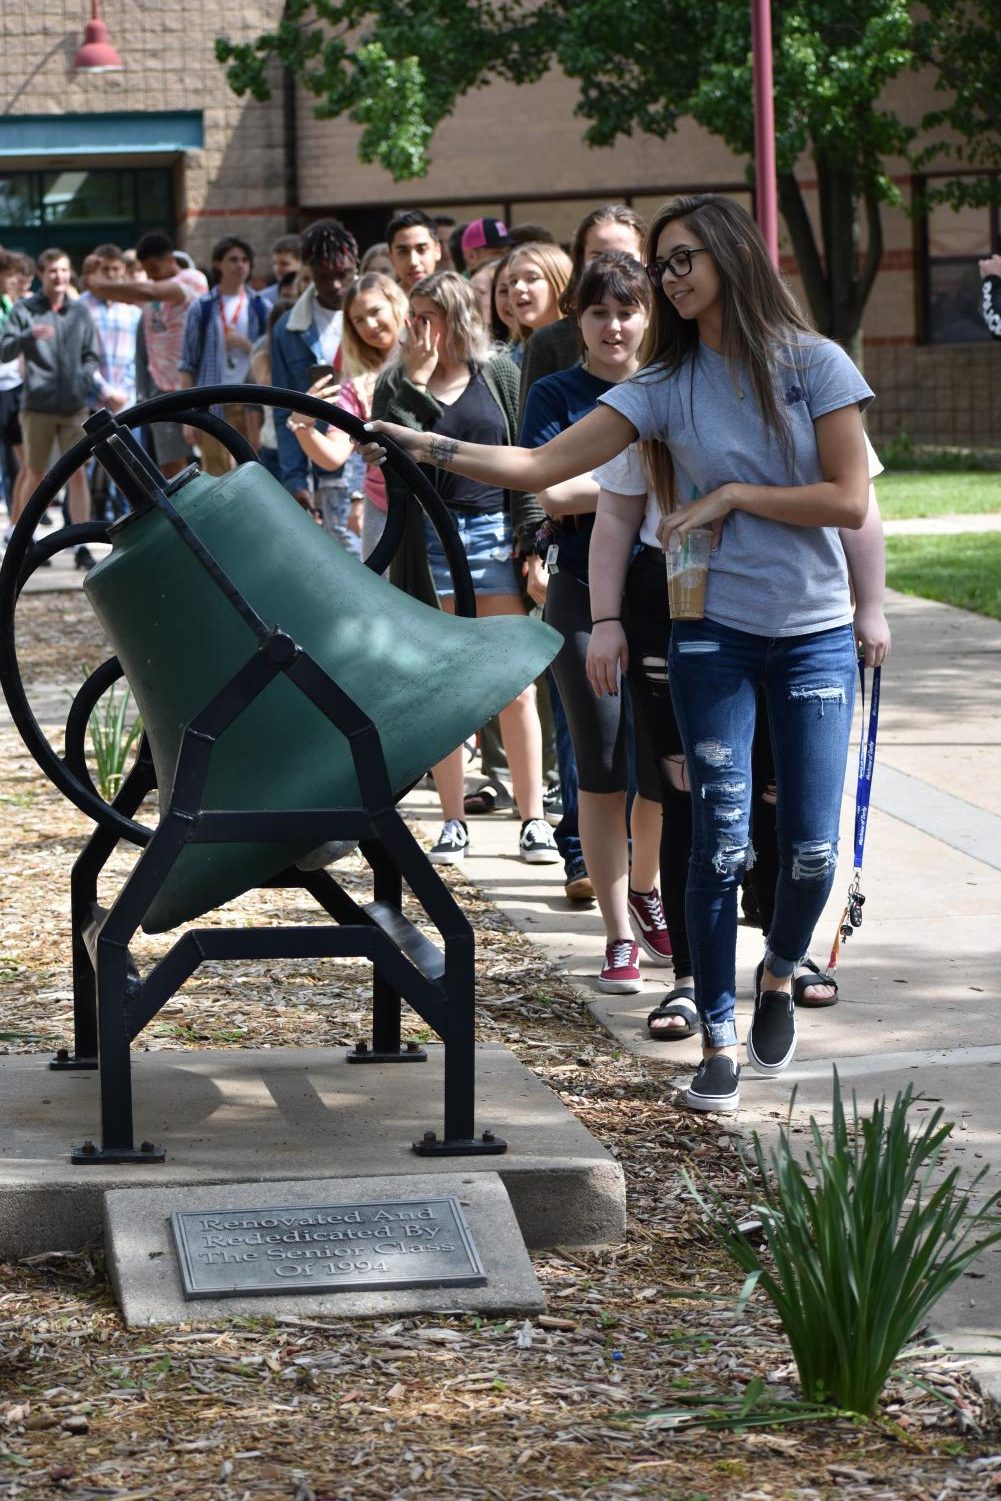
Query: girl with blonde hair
(538, 275)
(375, 312)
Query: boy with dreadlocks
(308, 336)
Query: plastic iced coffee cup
(687, 571)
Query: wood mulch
(614, 1393)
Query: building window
(954, 241)
(77, 207)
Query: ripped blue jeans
(809, 688)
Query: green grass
(962, 570)
(903, 496)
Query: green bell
(427, 679)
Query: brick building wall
(509, 144)
(519, 150)
(237, 180)
(939, 394)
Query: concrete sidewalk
(918, 981)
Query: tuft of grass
(907, 496)
(860, 1242)
(963, 570)
(112, 739)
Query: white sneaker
(451, 845)
(536, 844)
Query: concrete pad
(264, 1115)
(142, 1258)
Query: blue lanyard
(851, 917)
(866, 762)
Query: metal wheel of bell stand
(112, 1001)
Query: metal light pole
(765, 191)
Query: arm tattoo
(442, 451)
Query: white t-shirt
(626, 475)
(237, 360)
(163, 327)
(329, 323)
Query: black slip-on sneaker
(716, 1085)
(771, 1042)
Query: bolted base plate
(411, 1052)
(487, 1145)
(65, 1060)
(91, 1155)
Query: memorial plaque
(381, 1244)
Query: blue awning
(101, 135)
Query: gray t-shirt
(768, 578)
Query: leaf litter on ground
(642, 1378)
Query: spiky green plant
(112, 739)
(860, 1242)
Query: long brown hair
(608, 213)
(758, 312)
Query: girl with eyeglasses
(756, 432)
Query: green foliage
(960, 44)
(112, 739)
(397, 68)
(861, 1242)
(962, 570)
(754, 1408)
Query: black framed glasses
(679, 263)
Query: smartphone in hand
(320, 372)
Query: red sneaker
(621, 973)
(649, 925)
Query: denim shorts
(488, 543)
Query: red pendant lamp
(97, 54)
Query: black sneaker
(84, 559)
(451, 845)
(716, 1085)
(536, 844)
(771, 1042)
(552, 804)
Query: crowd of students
(578, 410)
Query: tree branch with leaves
(397, 68)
